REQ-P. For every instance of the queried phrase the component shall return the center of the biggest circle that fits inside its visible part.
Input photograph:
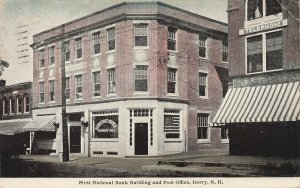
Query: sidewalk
(216, 163)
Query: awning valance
(40, 123)
(12, 128)
(267, 103)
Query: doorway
(75, 139)
(141, 139)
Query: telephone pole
(65, 155)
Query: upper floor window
(224, 51)
(78, 89)
(97, 83)
(67, 51)
(264, 52)
(78, 48)
(202, 84)
(262, 8)
(52, 90)
(96, 42)
(19, 105)
(111, 38)
(141, 78)
(67, 91)
(42, 58)
(41, 92)
(172, 38)
(12, 105)
(171, 80)
(202, 46)
(111, 81)
(51, 55)
(26, 104)
(140, 34)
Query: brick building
(141, 79)
(262, 108)
(15, 114)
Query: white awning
(268, 103)
(40, 123)
(11, 128)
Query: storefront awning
(268, 103)
(40, 123)
(12, 128)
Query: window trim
(78, 86)
(99, 42)
(19, 105)
(11, 105)
(223, 140)
(65, 51)
(81, 47)
(41, 58)
(174, 40)
(50, 48)
(41, 102)
(264, 61)
(176, 81)
(67, 88)
(225, 50)
(208, 139)
(264, 13)
(99, 83)
(51, 90)
(26, 99)
(206, 46)
(111, 81)
(147, 34)
(107, 41)
(178, 113)
(135, 79)
(206, 86)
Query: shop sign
(106, 126)
(263, 27)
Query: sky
(41, 15)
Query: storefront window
(172, 124)
(106, 126)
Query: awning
(40, 123)
(12, 128)
(268, 103)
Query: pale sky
(41, 15)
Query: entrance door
(75, 139)
(141, 139)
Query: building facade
(141, 79)
(262, 108)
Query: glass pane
(273, 7)
(254, 54)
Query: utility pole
(65, 155)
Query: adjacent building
(262, 109)
(141, 79)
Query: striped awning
(268, 103)
(40, 123)
(11, 128)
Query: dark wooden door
(141, 139)
(75, 140)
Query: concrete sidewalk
(210, 163)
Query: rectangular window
(172, 124)
(19, 105)
(111, 81)
(42, 58)
(224, 133)
(67, 88)
(171, 80)
(78, 48)
(262, 8)
(224, 51)
(67, 51)
(172, 38)
(264, 52)
(97, 83)
(140, 34)
(203, 129)
(141, 78)
(202, 46)
(78, 89)
(12, 106)
(52, 90)
(274, 50)
(202, 84)
(26, 106)
(5, 104)
(96, 42)
(51, 55)
(111, 38)
(254, 54)
(41, 92)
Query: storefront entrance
(141, 139)
(75, 139)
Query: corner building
(141, 79)
(262, 109)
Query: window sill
(78, 100)
(225, 141)
(203, 141)
(226, 62)
(141, 47)
(262, 72)
(172, 51)
(67, 62)
(41, 103)
(204, 58)
(110, 52)
(96, 55)
(111, 95)
(141, 93)
(111, 66)
(172, 95)
(104, 140)
(79, 59)
(53, 65)
(203, 97)
(96, 97)
(51, 102)
(41, 68)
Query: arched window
(261, 8)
